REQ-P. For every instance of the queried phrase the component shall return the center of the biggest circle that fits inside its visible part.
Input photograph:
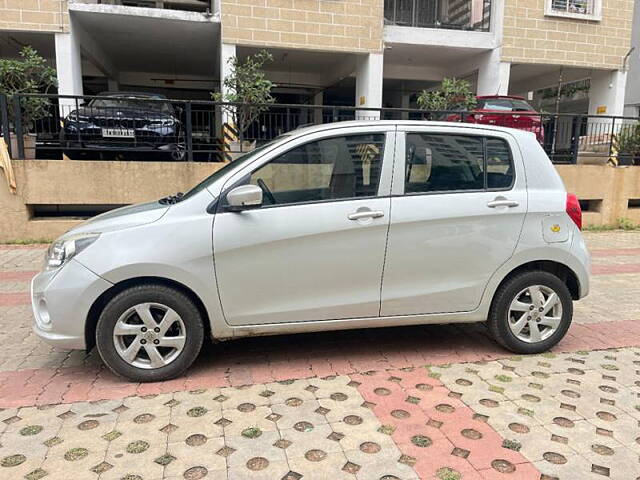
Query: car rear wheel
(531, 312)
(149, 333)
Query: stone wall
(532, 37)
(34, 15)
(329, 25)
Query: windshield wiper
(172, 199)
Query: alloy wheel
(535, 314)
(149, 335)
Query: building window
(580, 9)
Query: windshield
(135, 103)
(229, 167)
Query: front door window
(329, 169)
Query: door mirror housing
(244, 197)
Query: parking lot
(402, 403)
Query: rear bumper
(61, 300)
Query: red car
(506, 111)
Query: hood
(121, 218)
(127, 113)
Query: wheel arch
(99, 304)
(560, 270)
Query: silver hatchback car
(340, 226)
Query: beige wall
(117, 183)
(614, 186)
(330, 25)
(86, 182)
(34, 15)
(531, 37)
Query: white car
(340, 226)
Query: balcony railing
(472, 15)
(186, 5)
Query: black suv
(123, 124)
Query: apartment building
(367, 53)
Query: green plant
(27, 75)
(248, 85)
(626, 224)
(453, 94)
(628, 143)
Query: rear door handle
(366, 214)
(502, 202)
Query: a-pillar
(68, 68)
(369, 74)
(493, 74)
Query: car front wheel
(149, 333)
(531, 312)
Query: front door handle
(502, 202)
(365, 214)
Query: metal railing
(472, 15)
(96, 128)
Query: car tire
(504, 320)
(184, 334)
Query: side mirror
(244, 197)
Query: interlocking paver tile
(336, 405)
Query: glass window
(438, 163)
(499, 164)
(328, 169)
(445, 163)
(500, 104)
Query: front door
(456, 218)
(315, 249)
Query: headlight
(162, 123)
(76, 117)
(61, 251)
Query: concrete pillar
(68, 68)
(113, 85)
(606, 98)
(227, 52)
(493, 74)
(405, 103)
(318, 98)
(369, 74)
(606, 95)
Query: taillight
(574, 210)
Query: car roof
(402, 123)
(508, 97)
(131, 94)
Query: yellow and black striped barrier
(615, 150)
(230, 135)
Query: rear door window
(456, 163)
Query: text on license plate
(118, 132)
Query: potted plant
(453, 94)
(248, 86)
(29, 74)
(629, 145)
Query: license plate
(118, 132)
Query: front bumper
(61, 300)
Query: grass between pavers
(623, 224)
(28, 241)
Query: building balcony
(469, 15)
(199, 6)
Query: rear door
(458, 205)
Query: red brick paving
(17, 276)
(615, 269)
(416, 405)
(615, 252)
(238, 363)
